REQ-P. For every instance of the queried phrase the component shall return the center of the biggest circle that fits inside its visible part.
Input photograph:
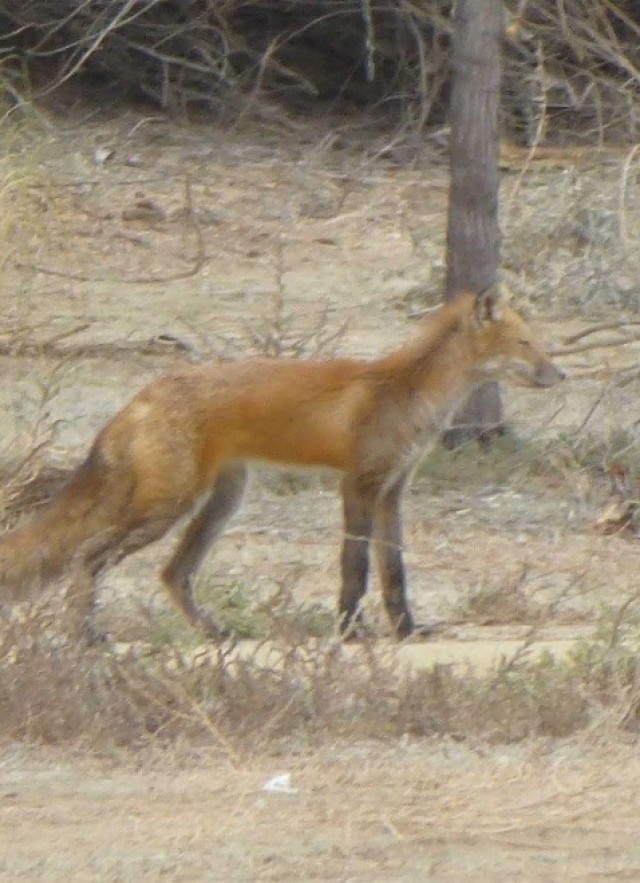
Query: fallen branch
(607, 343)
(595, 329)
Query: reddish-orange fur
(189, 434)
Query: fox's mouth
(536, 378)
(543, 382)
(521, 373)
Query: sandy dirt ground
(147, 245)
(356, 812)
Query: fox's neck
(438, 364)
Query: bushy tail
(88, 506)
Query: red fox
(186, 439)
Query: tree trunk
(473, 236)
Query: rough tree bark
(473, 236)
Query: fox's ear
(489, 304)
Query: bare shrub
(279, 334)
(245, 698)
(569, 66)
(30, 481)
(532, 700)
(53, 691)
(579, 258)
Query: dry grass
(584, 255)
(57, 691)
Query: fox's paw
(212, 629)
(92, 635)
(356, 630)
(421, 632)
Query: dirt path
(482, 650)
(355, 813)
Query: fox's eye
(525, 343)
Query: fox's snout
(522, 372)
(548, 374)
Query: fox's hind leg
(208, 524)
(104, 551)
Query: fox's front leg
(358, 501)
(388, 547)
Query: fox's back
(300, 412)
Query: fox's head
(505, 347)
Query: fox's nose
(549, 374)
(562, 374)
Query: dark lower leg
(388, 546)
(358, 512)
(180, 572)
(104, 552)
(80, 599)
(393, 580)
